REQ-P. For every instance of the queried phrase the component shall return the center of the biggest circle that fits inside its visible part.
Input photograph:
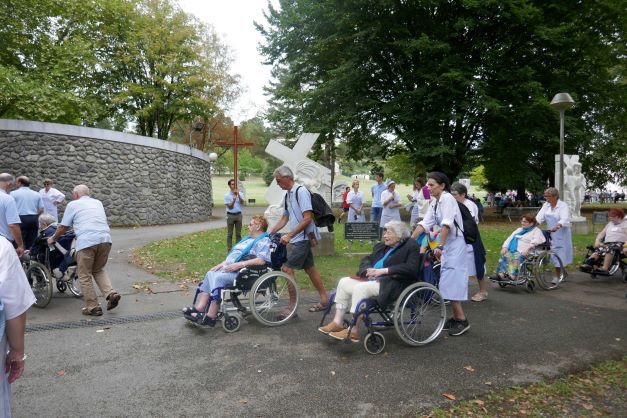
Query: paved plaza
(143, 359)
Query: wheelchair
(537, 268)
(43, 259)
(417, 315)
(619, 261)
(262, 292)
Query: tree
(451, 84)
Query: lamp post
(561, 102)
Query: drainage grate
(103, 322)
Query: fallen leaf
(136, 286)
(488, 383)
(100, 330)
(243, 401)
(469, 368)
(259, 371)
(479, 402)
(60, 373)
(617, 339)
(332, 373)
(449, 396)
(587, 406)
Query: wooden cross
(235, 145)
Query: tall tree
(449, 83)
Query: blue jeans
(375, 214)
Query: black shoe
(205, 320)
(449, 324)
(459, 328)
(585, 268)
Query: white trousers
(353, 291)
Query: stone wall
(140, 180)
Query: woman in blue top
(252, 250)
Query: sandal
(317, 307)
(95, 311)
(479, 296)
(190, 310)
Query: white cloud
(233, 21)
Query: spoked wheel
(545, 271)
(374, 343)
(269, 298)
(61, 286)
(39, 277)
(231, 323)
(419, 314)
(73, 283)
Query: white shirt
(89, 220)
(474, 210)
(51, 199)
(561, 210)
(15, 292)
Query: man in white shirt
(93, 244)
(233, 200)
(51, 198)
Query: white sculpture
(574, 184)
(338, 192)
(316, 177)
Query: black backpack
(471, 230)
(322, 213)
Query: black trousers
(29, 228)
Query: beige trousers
(91, 262)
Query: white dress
(356, 199)
(421, 205)
(561, 240)
(453, 273)
(390, 214)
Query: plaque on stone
(365, 231)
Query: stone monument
(338, 192)
(308, 173)
(574, 190)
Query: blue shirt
(376, 190)
(8, 215)
(89, 220)
(295, 210)
(28, 201)
(237, 206)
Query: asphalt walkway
(143, 359)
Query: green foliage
(477, 177)
(453, 84)
(110, 62)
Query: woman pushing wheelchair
(253, 250)
(393, 265)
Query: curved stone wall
(140, 180)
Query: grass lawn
(596, 392)
(187, 258)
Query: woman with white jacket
(516, 247)
(556, 214)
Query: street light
(197, 127)
(561, 102)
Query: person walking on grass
(233, 200)
(93, 244)
(303, 234)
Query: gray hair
(284, 171)
(81, 190)
(459, 188)
(553, 192)
(45, 219)
(399, 228)
(6, 178)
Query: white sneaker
(57, 273)
(555, 280)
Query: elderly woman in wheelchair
(517, 246)
(608, 246)
(253, 250)
(392, 266)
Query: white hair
(45, 219)
(81, 190)
(399, 228)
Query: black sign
(361, 231)
(600, 218)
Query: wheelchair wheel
(231, 323)
(545, 270)
(502, 285)
(419, 314)
(39, 278)
(73, 284)
(269, 298)
(374, 343)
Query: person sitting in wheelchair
(253, 250)
(615, 232)
(60, 257)
(393, 265)
(517, 246)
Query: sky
(233, 21)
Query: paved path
(166, 367)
